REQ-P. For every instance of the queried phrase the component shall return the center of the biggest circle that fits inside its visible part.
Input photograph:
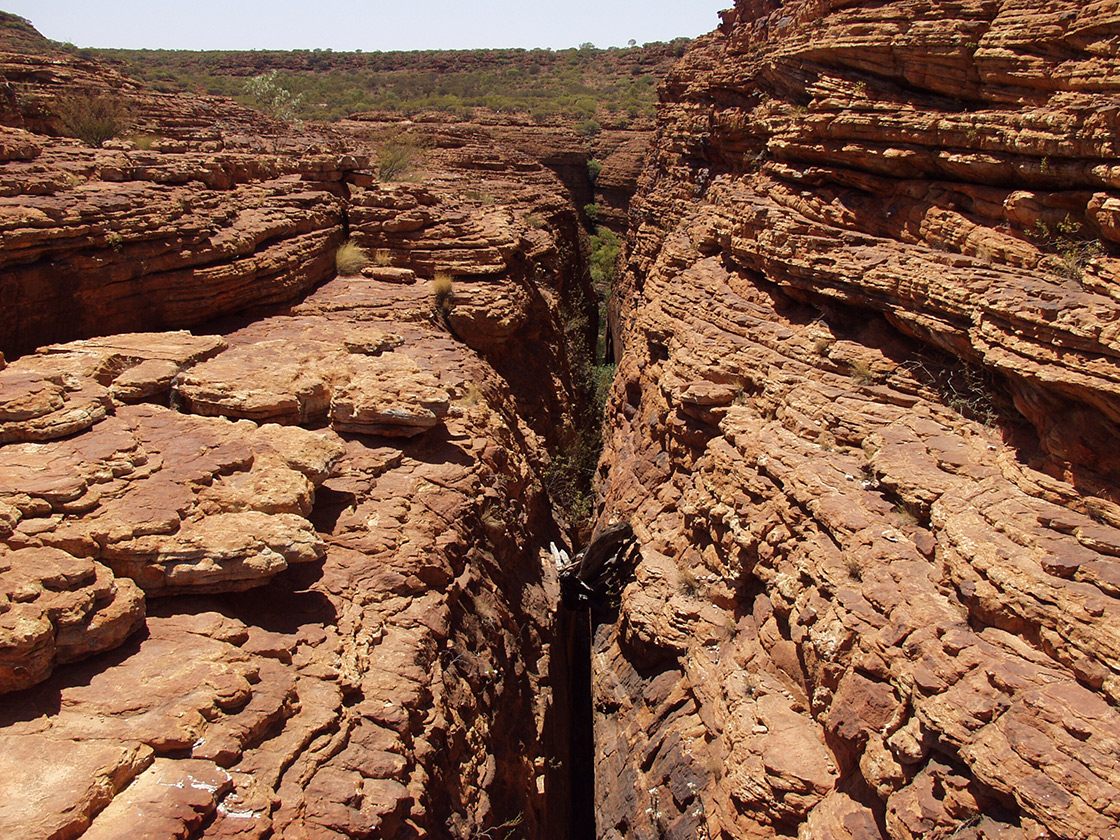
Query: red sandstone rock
(864, 430)
(83, 778)
(57, 608)
(344, 631)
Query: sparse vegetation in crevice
(503, 831)
(853, 566)
(970, 390)
(905, 517)
(689, 584)
(350, 259)
(605, 246)
(443, 291)
(863, 373)
(568, 477)
(568, 480)
(1074, 250)
(603, 379)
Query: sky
(372, 25)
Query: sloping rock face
(282, 576)
(623, 156)
(864, 427)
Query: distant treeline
(616, 85)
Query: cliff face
(281, 577)
(864, 427)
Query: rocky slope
(864, 426)
(281, 576)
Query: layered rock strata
(98, 242)
(864, 428)
(600, 170)
(282, 576)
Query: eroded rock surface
(864, 430)
(281, 576)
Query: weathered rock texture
(97, 242)
(865, 429)
(282, 577)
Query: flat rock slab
(51, 788)
(169, 799)
(65, 388)
(173, 501)
(147, 501)
(360, 378)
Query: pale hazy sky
(376, 25)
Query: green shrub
(92, 118)
(350, 259)
(605, 246)
(396, 158)
(273, 99)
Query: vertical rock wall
(864, 426)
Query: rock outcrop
(282, 576)
(600, 169)
(107, 241)
(864, 427)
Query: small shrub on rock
(443, 291)
(397, 158)
(92, 118)
(275, 100)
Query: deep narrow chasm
(851, 566)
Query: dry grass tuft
(863, 373)
(443, 290)
(350, 259)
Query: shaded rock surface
(864, 429)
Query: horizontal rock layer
(864, 428)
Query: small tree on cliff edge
(273, 99)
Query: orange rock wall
(864, 428)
